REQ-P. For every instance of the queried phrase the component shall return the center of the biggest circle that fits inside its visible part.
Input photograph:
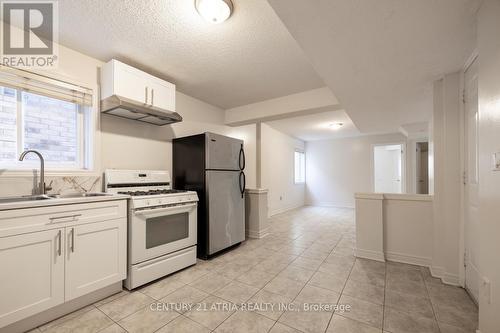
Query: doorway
(388, 168)
(422, 168)
(471, 181)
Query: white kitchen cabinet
(55, 254)
(32, 274)
(130, 82)
(126, 81)
(95, 257)
(162, 94)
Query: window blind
(46, 86)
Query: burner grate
(151, 192)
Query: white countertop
(60, 201)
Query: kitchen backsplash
(75, 184)
(15, 186)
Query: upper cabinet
(126, 81)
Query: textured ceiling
(249, 58)
(380, 57)
(316, 126)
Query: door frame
(411, 185)
(403, 162)
(463, 168)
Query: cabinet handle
(72, 239)
(59, 248)
(152, 96)
(146, 101)
(74, 216)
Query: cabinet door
(32, 274)
(162, 94)
(96, 256)
(131, 83)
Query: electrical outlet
(486, 289)
(496, 161)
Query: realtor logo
(29, 33)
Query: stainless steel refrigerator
(212, 165)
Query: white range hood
(128, 92)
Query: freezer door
(226, 210)
(223, 153)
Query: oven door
(160, 231)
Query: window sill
(301, 183)
(9, 173)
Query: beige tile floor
(306, 260)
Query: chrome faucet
(41, 188)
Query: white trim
(14, 174)
(463, 169)
(283, 210)
(470, 60)
(436, 271)
(447, 278)
(408, 197)
(256, 190)
(394, 196)
(370, 196)
(257, 234)
(408, 259)
(328, 204)
(369, 254)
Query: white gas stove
(162, 224)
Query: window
(48, 121)
(300, 167)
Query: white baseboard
(257, 234)
(436, 271)
(447, 278)
(369, 254)
(408, 259)
(452, 279)
(329, 204)
(284, 209)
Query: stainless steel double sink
(51, 196)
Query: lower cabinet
(32, 274)
(43, 269)
(94, 257)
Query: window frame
(303, 181)
(88, 144)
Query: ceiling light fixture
(214, 11)
(335, 126)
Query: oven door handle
(166, 209)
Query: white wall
(336, 169)
(397, 227)
(277, 170)
(489, 181)
(128, 144)
(133, 145)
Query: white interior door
(388, 168)
(471, 228)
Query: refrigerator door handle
(242, 158)
(242, 183)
